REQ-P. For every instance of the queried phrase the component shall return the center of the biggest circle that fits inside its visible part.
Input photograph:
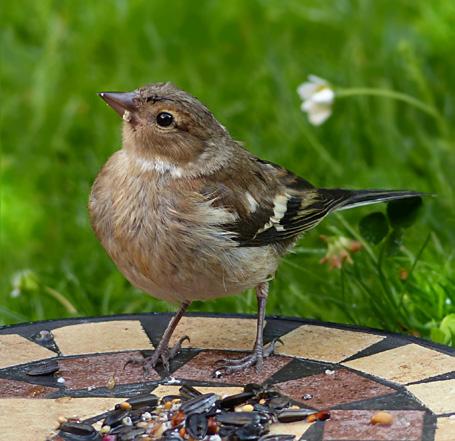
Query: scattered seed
(196, 425)
(81, 430)
(238, 418)
(105, 429)
(188, 392)
(124, 406)
(277, 437)
(212, 427)
(307, 397)
(36, 391)
(127, 421)
(199, 404)
(278, 403)
(250, 432)
(177, 418)
(115, 417)
(382, 418)
(236, 400)
(111, 383)
(167, 398)
(141, 401)
(319, 416)
(146, 416)
(62, 420)
(45, 369)
(193, 416)
(293, 415)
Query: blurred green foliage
(244, 59)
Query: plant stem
(61, 299)
(386, 93)
(419, 255)
(358, 237)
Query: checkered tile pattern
(353, 372)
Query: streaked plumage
(187, 213)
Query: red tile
(355, 425)
(12, 389)
(201, 367)
(104, 370)
(342, 386)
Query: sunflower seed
(45, 369)
(196, 425)
(200, 404)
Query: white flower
(317, 99)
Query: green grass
(244, 60)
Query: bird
(188, 213)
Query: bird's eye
(164, 119)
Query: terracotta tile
(101, 370)
(342, 386)
(438, 396)
(12, 388)
(445, 428)
(217, 333)
(15, 349)
(32, 420)
(91, 338)
(405, 364)
(297, 429)
(202, 366)
(355, 425)
(325, 344)
(163, 390)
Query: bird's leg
(256, 358)
(163, 353)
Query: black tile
(20, 373)
(429, 426)
(276, 328)
(447, 376)
(298, 369)
(155, 325)
(383, 345)
(401, 400)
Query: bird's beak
(121, 102)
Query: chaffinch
(187, 213)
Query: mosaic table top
(351, 372)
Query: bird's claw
(178, 346)
(270, 348)
(163, 356)
(256, 358)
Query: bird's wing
(271, 204)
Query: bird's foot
(162, 355)
(256, 358)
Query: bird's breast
(168, 241)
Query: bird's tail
(344, 199)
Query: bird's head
(162, 122)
